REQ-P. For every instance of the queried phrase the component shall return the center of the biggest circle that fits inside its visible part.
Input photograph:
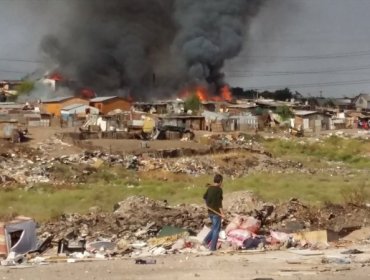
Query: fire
(56, 76)
(204, 95)
(87, 93)
(226, 93)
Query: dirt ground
(275, 265)
(41, 135)
(127, 146)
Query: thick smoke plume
(148, 48)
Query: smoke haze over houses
(153, 47)
(149, 46)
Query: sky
(316, 47)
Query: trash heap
(18, 167)
(232, 155)
(140, 227)
(241, 140)
(136, 218)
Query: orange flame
(203, 94)
(226, 93)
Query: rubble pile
(24, 169)
(140, 227)
(295, 215)
(231, 155)
(235, 140)
(137, 217)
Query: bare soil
(42, 135)
(277, 265)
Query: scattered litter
(336, 260)
(352, 252)
(306, 252)
(143, 261)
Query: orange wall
(106, 107)
(55, 107)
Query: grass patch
(115, 184)
(312, 189)
(354, 152)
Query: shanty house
(214, 106)
(237, 109)
(310, 121)
(55, 105)
(184, 121)
(79, 109)
(343, 103)
(362, 102)
(7, 107)
(107, 104)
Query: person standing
(213, 199)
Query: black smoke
(148, 47)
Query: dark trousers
(212, 236)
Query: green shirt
(213, 198)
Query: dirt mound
(242, 202)
(342, 219)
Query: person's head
(218, 179)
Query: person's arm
(205, 196)
(222, 213)
(221, 207)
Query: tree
(251, 94)
(25, 87)
(192, 103)
(237, 92)
(330, 103)
(283, 94)
(284, 112)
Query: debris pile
(240, 140)
(140, 227)
(231, 155)
(294, 216)
(135, 218)
(23, 168)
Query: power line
(247, 73)
(11, 71)
(306, 57)
(311, 85)
(19, 60)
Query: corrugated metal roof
(78, 106)
(242, 106)
(305, 113)
(57, 99)
(73, 106)
(11, 106)
(8, 103)
(103, 98)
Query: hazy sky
(319, 45)
(311, 46)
